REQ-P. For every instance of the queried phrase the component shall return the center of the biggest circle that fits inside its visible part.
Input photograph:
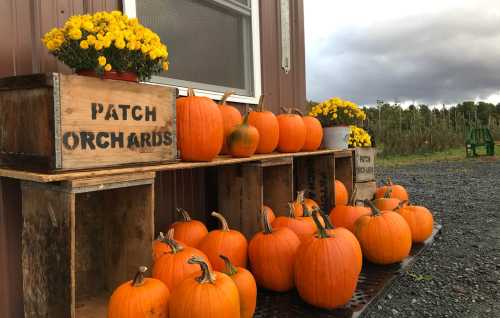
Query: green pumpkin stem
(321, 230)
(375, 210)
(401, 204)
(286, 110)
(260, 106)
(139, 277)
(388, 192)
(298, 112)
(326, 219)
(229, 269)
(389, 181)
(245, 119)
(170, 241)
(222, 221)
(185, 215)
(264, 221)
(225, 97)
(207, 276)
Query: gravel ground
(459, 276)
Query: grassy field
(447, 155)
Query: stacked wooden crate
(364, 173)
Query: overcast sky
(428, 51)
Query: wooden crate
(365, 190)
(81, 239)
(364, 164)
(66, 122)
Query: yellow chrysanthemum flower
(107, 67)
(101, 60)
(84, 44)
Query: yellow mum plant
(108, 41)
(359, 137)
(337, 112)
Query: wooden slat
(223, 160)
(344, 167)
(101, 182)
(365, 190)
(278, 188)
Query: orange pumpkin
(268, 127)
(247, 288)
(243, 139)
(419, 219)
(392, 191)
(140, 297)
(292, 132)
(231, 117)
(340, 193)
(189, 231)
(346, 215)
(172, 268)
(314, 132)
(160, 247)
(387, 202)
(226, 242)
(270, 214)
(272, 255)
(385, 237)
(329, 262)
(200, 131)
(212, 294)
(302, 226)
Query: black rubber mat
(373, 281)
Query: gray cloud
(441, 58)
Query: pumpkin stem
(305, 210)
(388, 192)
(264, 222)
(185, 215)
(286, 110)
(353, 195)
(225, 97)
(191, 92)
(245, 119)
(375, 210)
(229, 269)
(222, 221)
(326, 219)
(291, 210)
(161, 237)
(207, 276)
(170, 241)
(298, 112)
(389, 181)
(401, 204)
(139, 277)
(321, 230)
(260, 107)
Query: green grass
(447, 155)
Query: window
(213, 45)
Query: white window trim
(129, 8)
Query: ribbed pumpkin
(340, 192)
(160, 246)
(270, 214)
(172, 268)
(140, 298)
(268, 127)
(226, 242)
(200, 131)
(272, 256)
(231, 117)
(387, 202)
(292, 134)
(243, 139)
(395, 191)
(247, 288)
(385, 237)
(302, 226)
(419, 219)
(346, 215)
(189, 231)
(314, 132)
(301, 201)
(213, 294)
(327, 267)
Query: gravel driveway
(459, 276)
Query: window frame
(129, 8)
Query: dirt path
(459, 276)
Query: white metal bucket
(336, 137)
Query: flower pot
(113, 75)
(336, 137)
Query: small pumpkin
(346, 215)
(160, 247)
(314, 132)
(302, 226)
(270, 214)
(211, 294)
(385, 237)
(231, 117)
(187, 230)
(301, 201)
(243, 139)
(292, 134)
(419, 219)
(226, 242)
(394, 190)
(340, 193)
(200, 131)
(387, 202)
(268, 127)
(140, 298)
(172, 267)
(330, 262)
(247, 288)
(272, 256)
